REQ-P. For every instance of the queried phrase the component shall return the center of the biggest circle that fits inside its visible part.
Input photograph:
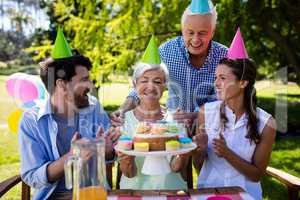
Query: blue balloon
(28, 105)
(42, 91)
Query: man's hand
(75, 137)
(111, 140)
(220, 146)
(185, 117)
(117, 118)
(85, 153)
(55, 170)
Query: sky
(39, 17)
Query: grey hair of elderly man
(213, 12)
(140, 68)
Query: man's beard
(81, 101)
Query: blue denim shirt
(37, 139)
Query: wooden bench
(292, 183)
(6, 185)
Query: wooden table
(237, 192)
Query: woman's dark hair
(63, 68)
(244, 69)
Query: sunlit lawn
(286, 154)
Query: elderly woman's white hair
(140, 68)
(213, 12)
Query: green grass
(286, 154)
(8, 148)
(281, 101)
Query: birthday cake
(156, 135)
(159, 136)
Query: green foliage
(41, 51)
(10, 69)
(17, 16)
(11, 44)
(3, 65)
(270, 29)
(114, 34)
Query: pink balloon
(22, 89)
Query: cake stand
(156, 162)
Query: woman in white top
(150, 81)
(238, 135)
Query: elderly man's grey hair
(213, 12)
(140, 68)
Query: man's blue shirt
(189, 87)
(38, 146)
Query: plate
(157, 153)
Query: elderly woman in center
(149, 81)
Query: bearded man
(47, 130)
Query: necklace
(151, 116)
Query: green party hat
(61, 47)
(151, 55)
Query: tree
(271, 29)
(19, 19)
(8, 49)
(114, 33)
(13, 41)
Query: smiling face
(227, 85)
(79, 87)
(150, 86)
(197, 33)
